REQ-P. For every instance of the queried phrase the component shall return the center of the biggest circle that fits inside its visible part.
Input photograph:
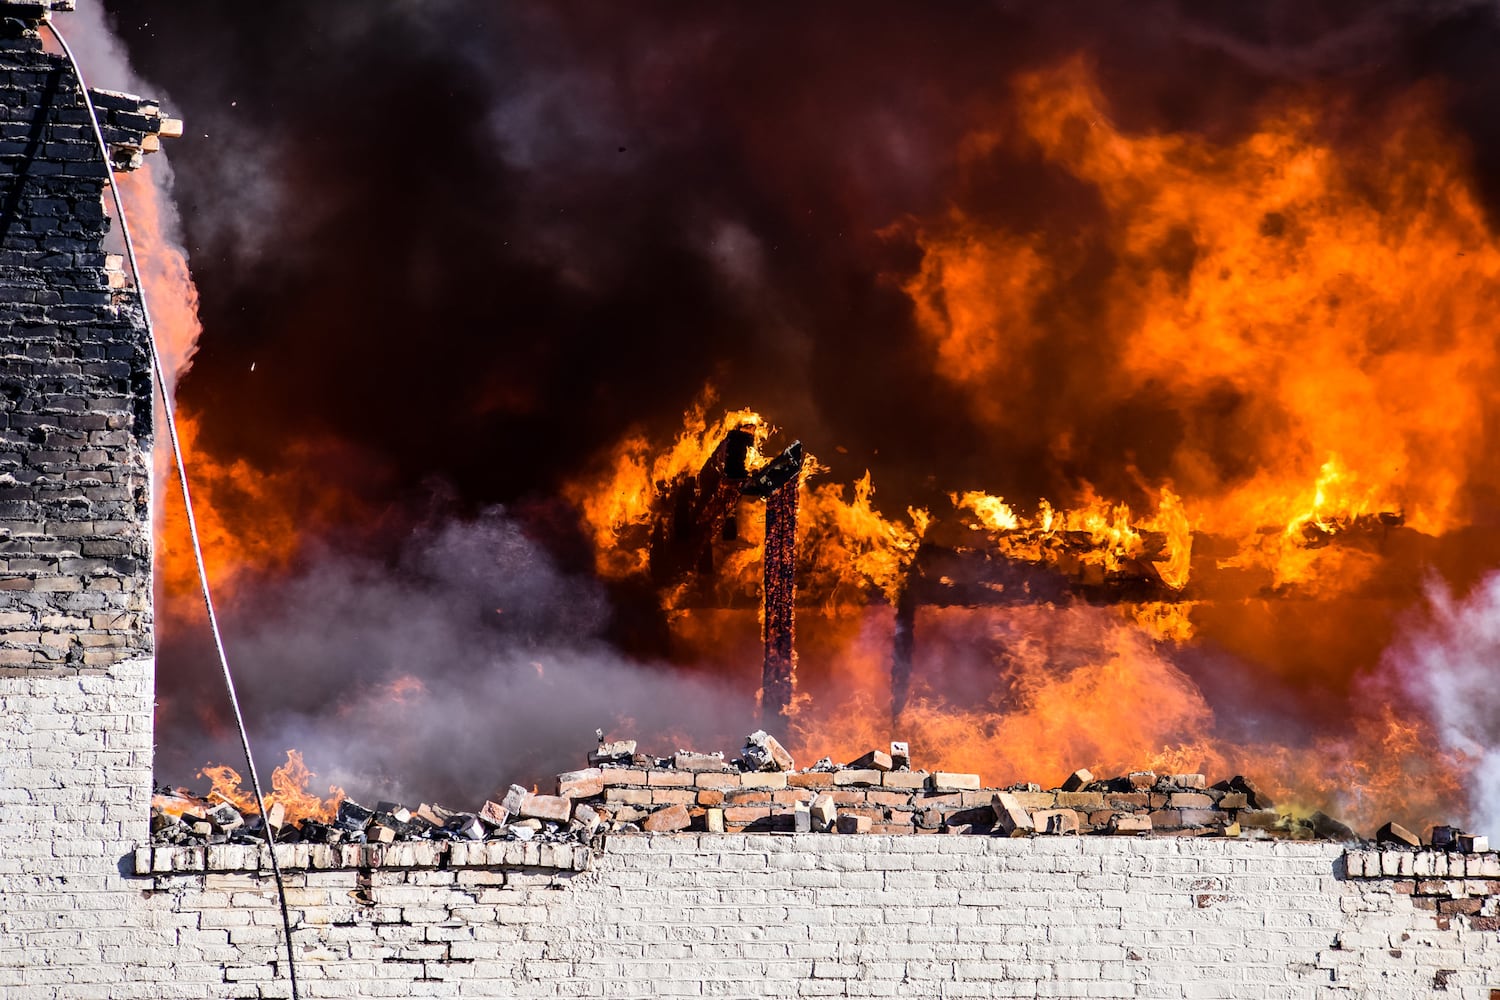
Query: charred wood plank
(696, 509)
(778, 675)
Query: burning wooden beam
(780, 599)
(697, 511)
(778, 483)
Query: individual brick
(874, 760)
(953, 781)
(1189, 800)
(900, 754)
(1036, 800)
(1261, 819)
(1080, 800)
(1055, 821)
(546, 807)
(763, 752)
(581, 784)
(909, 780)
(586, 819)
(810, 779)
(763, 779)
(628, 796)
(823, 813)
(714, 779)
(1130, 823)
(853, 823)
(1395, 833)
(742, 815)
(1197, 781)
(889, 799)
(1010, 819)
(668, 819)
(686, 761)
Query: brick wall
(75, 388)
(819, 915)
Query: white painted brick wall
(761, 915)
(75, 795)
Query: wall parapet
(1401, 863)
(334, 857)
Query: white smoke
(99, 50)
(1447, 663)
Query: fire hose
(187, 501)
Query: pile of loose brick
(623, 791)
(881, 793)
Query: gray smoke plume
(1447, 663)
(468, 662)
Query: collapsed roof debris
(623, 791)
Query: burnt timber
(697, 510)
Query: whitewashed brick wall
(765, 915)
(75, 796)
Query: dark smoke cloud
(478, 238)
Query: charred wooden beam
(778, 482)
(697, 510)
(783, 469)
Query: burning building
(1216, 354)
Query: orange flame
(617, 506)
(1112, 536)
(849, 549)
(289, 787)
(1327, 310)
(1334, 293)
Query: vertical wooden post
(779, 629)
